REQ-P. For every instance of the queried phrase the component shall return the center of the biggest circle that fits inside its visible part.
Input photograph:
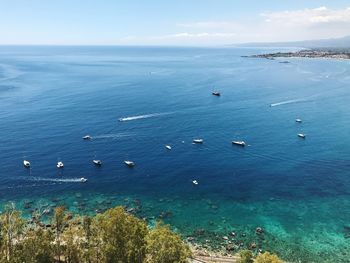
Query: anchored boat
(26, 163)
(97, 162)
(60, 165)
(129, 163)
(198, 141)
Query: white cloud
(211, 25)
(198, 35)
(183, 38)
(315, 23)
(287, 25)
(307, 17)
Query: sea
(297, 190)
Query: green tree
(123, 236)
(245, 256)
(11, 226)
(36, 247)
(72, 237)
(59, 223)
(165, 246)
(87, 241)
(267, 258)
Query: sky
(176, 22)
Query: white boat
(168, 147)
(97, 162)
(60, 165)
(239, 143)
(87, 137)
(129, 163)
(298, 120)
(26, 163)
(195, 182)
(198, 141)
(302, 135)
(83, 180)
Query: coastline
(313, 53)
(207, 239)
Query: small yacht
(168, 147)
(82, 180)
(198, 141)
(239, 143)
(26, 163)
(97, 162)
(302, 135)
(60, 165)
(87, 137)
(195, 182)
(129, 163)
(298, 120)
(216, 93)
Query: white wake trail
(288, 102)
(57, 180)
(146, 116)
(113, 136)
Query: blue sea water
(297, 190)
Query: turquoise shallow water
(297, 190)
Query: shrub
(246, 256)
(165, 246)
(267, 258)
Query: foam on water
(146, 116)
(113, 136)
(56, 180)
(289, 102)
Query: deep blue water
(298, 190)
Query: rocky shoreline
(203, 242)
(313, 53)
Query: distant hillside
(340, 43)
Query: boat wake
(57, 180)
(146, 116)
(288, 102)
(113, 136)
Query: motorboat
(168, 147)
(129, 163)
(302, 135)
(60, 165)
(216, 93)
(239, 143)
(195, 182)
(82, 180)
(97, 162)
(298, 120)
(26, 163)
(198, 141)
(87, 137)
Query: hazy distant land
(335, 48)
(309, 53)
